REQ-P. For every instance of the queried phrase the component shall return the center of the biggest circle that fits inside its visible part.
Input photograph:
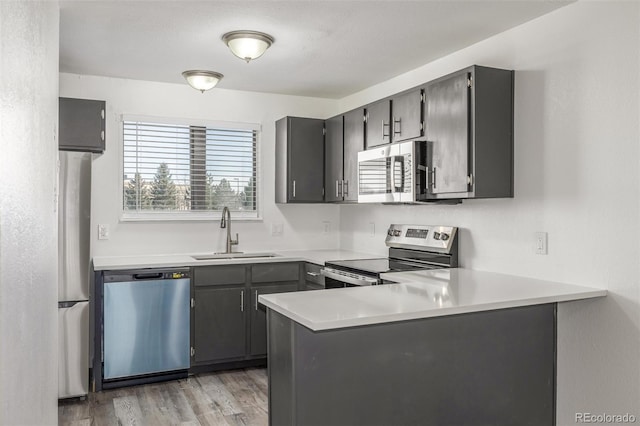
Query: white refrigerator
(74, 209)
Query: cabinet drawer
(219, 275)
(275, 272)
(312, 273)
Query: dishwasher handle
(148, 276)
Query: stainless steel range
(411, 247)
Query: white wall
(28, 222)
(303, 224)
(576, 164)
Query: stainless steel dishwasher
(146, 335)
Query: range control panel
(421, 237)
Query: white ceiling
(323, 48)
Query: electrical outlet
(326, 226)
(372, 229)
(103, 232)
(541, 242)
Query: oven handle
(362, 281)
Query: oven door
(334, 278)
(385, 174)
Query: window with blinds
(183, 168)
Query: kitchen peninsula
(438, 347)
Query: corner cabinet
(81, 125)
(299, 160)
(469, 130)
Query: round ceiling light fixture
(247, 45)
(202, 80)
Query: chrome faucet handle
(236, 241)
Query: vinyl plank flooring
(230, 398)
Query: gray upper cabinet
(344, 139)
(299, 160)
(378, 123)
(81, 125)
(469, 130)
(353, 143)
(407, 115)
(395, 119)
(334, 159)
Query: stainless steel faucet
(226, 217)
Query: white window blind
(182, 168)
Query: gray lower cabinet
(228, 323)
(469, 128)
(81, 125)
(220, 324)
(299, 160)
(313, 278)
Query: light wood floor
(237, 397)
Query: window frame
(188, 215)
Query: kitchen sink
(239, 255)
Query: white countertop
(420, 294)
(104, 263)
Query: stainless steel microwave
(394, 173)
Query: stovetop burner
(411, 248)
(375, 267)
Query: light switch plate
(541, 242)
(277, 229)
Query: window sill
(185, 217)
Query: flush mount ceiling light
(202, 80)
(247, 45)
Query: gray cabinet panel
(407, 115)
(219, 275)
(333, 172)
(378, 126)
(447, 129)
(353, 143)
(259, 316)
(274, 272)
(485, 368)
(312, 274)
(299, 160)
(220, 323)
(81, 125)
(469, 126)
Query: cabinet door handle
(397, 121)
(294, 189)
(345, 188)
(102, 135)
(313, 274)
(433, 178)
(383, 126)
(337, 188)
(241, 300)
(256, 304)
